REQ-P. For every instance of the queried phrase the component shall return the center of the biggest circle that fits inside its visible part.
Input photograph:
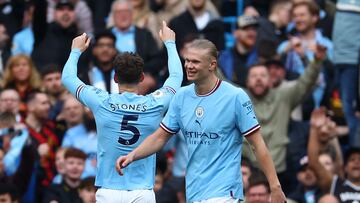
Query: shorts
(124, 196)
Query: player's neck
(128, 88)
(203, 87)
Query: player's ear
(213, 65)
(116, 78)
(142, 77)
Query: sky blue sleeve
(246, 119)
(175, 67)
(170, 122)
(12, 157)
(88, 95)
(282, 46)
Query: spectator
(23, 41)
(235, 62)
(307, 190)
(346, 189)
(83, 13)
(4, 47)
(278, 75)
(167, 10)
(16, 155)
(67, 191)
(274, 28)
(20, 74)
(258, 190)
(101, 74)
(143, 17)
(273, 107)
(8, 193)
(134, 39)
(11, 16)
(198, 19)
(87, 190)
(10, 102)
(57, 35)
(346, 58)
(46, 136)
(51, 83)
(79, 135)
(59, 165)
(246, 171)
(299, 50)
(83, 18)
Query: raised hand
(166, 33)
(320, 52)
(324, 127)
(81, 42)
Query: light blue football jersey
(123, 121)
(213, 126)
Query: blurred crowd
(308, 109)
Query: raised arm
(69, 74)
(319, 137)
(296, 92)
(264, 158)
(174, 64)
(152, 144)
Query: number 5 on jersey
(126, 126)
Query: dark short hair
(74, 153)
(105, 34)
(350, 152)
(33, 95)
(258, 178)
(7, 118)
(8, 188)
(246, 162)
(50, 68)
(274, 62)
(311, 5)
(128, 67)
(87, 183)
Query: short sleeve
(246, 119)
(170, 123)
(90, 96)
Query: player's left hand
(277, 196)
(81, 42)
(166, 33)
(122, 162)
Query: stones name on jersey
(134, 107)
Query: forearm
(314, 147)
(69, 74)
(151, 144)
(264, 158)
(174, 65)
(339, 162)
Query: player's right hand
(121, 163)
(81, 42)
(166, 33)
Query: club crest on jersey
(199, 112)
